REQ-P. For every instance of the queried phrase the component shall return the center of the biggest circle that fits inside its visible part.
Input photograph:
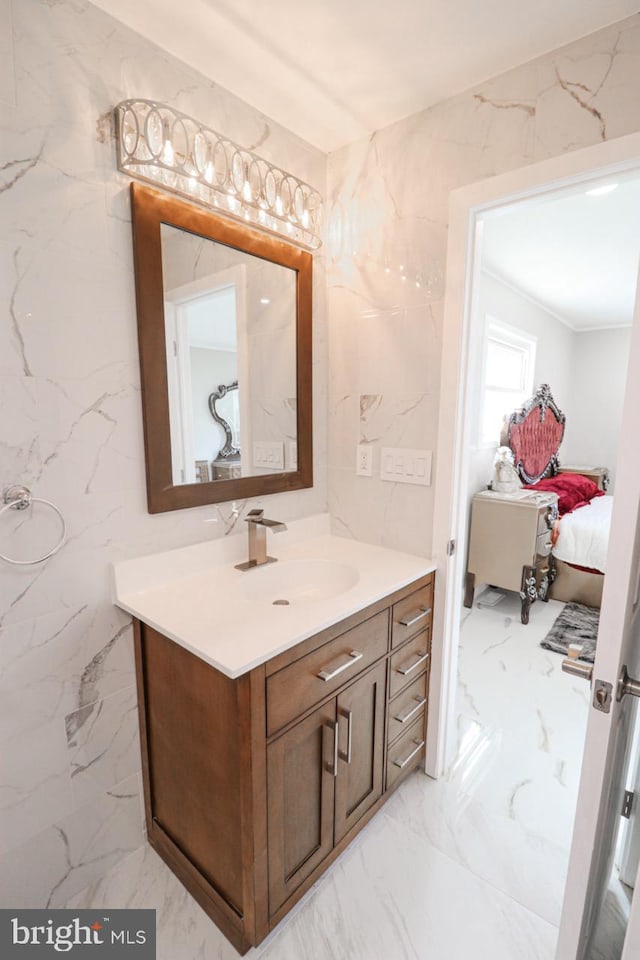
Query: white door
(608, 731)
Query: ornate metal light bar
(166, 147)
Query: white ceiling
(576, 255)
(333, 71)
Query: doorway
(470, 207)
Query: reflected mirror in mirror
(224, 331)
(230, 321)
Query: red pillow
(573, 490)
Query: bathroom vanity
(257, 778)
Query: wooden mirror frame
(150, 209)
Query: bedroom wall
(389, 207)
(586, 371)
(71, 429)
(597, 394)
(554, 349)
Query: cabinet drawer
(406, 753)
(543, 526)
(412, 614)
(300, 685)
(408, 662)
(408, 707)
(543, 544)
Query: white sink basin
(298, 580)
(195, 596)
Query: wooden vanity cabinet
(323, 775)
(253, 786)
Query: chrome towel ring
(19, 498)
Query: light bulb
(208, 172)
(279, 207)
(168, 153)
(246, 191)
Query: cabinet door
(361, 709)
(300, 785)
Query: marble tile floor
(478, 857)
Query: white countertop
(227, 617)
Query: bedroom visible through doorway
(552, 308)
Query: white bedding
(584, 535)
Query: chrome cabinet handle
(333, 770)
(349, 717)
(417, 749)
(420, 702)
(406, 670)
(409, 620)
(326, 674)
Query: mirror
(224, 327)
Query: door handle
(603, 692)
(573, 666)
(349, 718)
(333, 770)
(627, 684)
(577, 669)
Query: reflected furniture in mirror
(224, 330)
(223, 405)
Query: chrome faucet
(258, 539)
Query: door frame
(467, 205)
(179, 366)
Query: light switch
(268, 453)
(400, 465)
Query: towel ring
(19, 498)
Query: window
(509, 364)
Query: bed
(581, 532)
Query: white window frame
(516, 339)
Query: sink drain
(280, 603)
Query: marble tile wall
(70, 428)
(389, 197)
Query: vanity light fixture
(165, 147)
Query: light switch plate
(269, 454)
(402, 465)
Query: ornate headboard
(535, 433)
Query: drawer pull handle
(349, 716)
(406, 670)
(417, 749)
(409, 620)
(402, 718)
(326, 675)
